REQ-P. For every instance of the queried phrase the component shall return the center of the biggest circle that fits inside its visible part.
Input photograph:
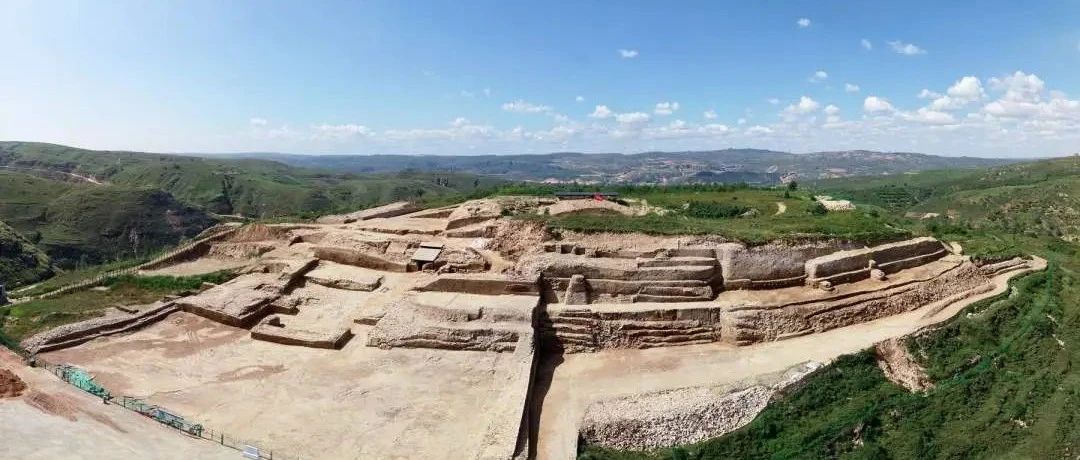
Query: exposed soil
(11, 386)
(59, 406)
(513, 238)
(899, 367)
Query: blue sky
(995, 78)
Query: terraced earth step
(576, 320)
(665, 344)
(576, 314)
(121, 327)
(573, 328)
(644, 333)
(670, 298)
(679, 338)
(681, 291)
(677, 261)
(655, 325)
(576, 336)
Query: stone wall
(482, 284)
(577, 328)
(853, 265)
(362, 258)
(73, 334)
(767, 323)
(768, 266)
(271, 329)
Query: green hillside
(1040, 198)
(82, 223)
(254, 188)
(20, 261)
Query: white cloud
(628, 54)
(927, 94)
(803, 23)
(874, 104)
(907, 49)
(1022, 98)
(632, 118)
(866, 44)
(601, 111)
(469, 94)
(1017, 114)
(1019, 86)
(820, 75)
(929, 116)
(851, 88)
(461, 129)
(666, 108)
(579, 99)
(342, 132)
(967, 88)
(804, 106)
(487, 92)
(773, 100)
(832, 114)
(257, 122)
(965, 91)
(715, 129)
(520, 106)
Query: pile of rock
(681, 416)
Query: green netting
(83, 380)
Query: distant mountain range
(730, 165)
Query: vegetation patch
(22, 320)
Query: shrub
(714, 210)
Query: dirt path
(63, 173)
(617, 373)
(780, 208)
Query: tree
(792, 186)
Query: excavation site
(471, 332)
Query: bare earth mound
(11, 385)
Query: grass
(25, 319)
(711, 210)
(63, 278)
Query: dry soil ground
(52, 419)
(577, 380)
(358, 402)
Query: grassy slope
(78, 223)
(20, 261)
(868, 225)
(255, 188)
(25, 319)
(1007, 387)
